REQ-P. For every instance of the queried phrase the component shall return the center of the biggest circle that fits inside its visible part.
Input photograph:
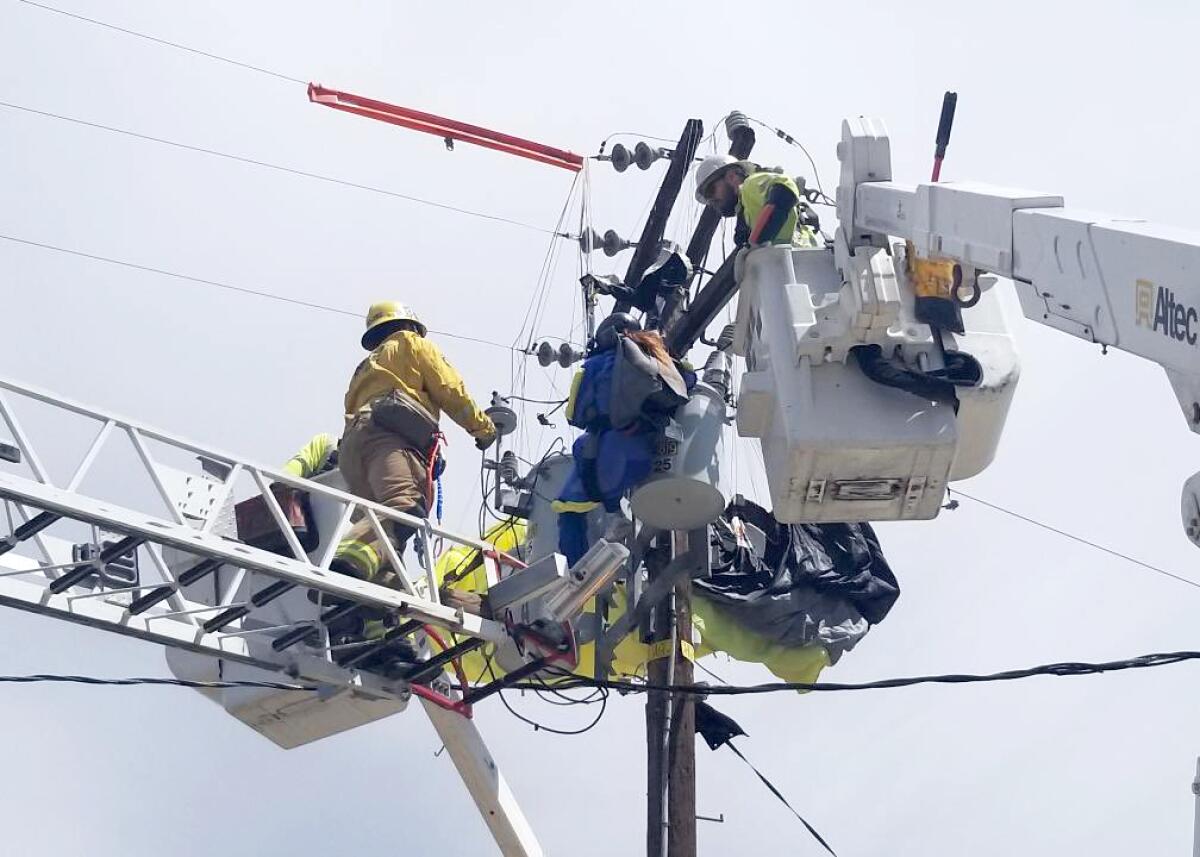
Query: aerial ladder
(165, 566)
(864, 411)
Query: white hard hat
(709, 171)
(713, 167)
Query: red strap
(438, 440)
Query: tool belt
(402, 415)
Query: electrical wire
(1067, 669)
(536, 401)
(788, 138)
(569, 681)
(166, 43)
(710, 673)
(604, 142)
(775, 791)
(539, 727)
(242, 159)
(1135, 561)
(530, 325)
(169, 682)
(228, 286)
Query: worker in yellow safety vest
(769, 206)
(388, 452)
(317, 456)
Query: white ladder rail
(25, 584)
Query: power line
(229, 286)
(166, 43)
(1156, 569)
(277, 167)
(570, 681)
(788, 138)
(124, 682)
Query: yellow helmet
(380, 322)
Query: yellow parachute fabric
(713, 629)
(722, 634)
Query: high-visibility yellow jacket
(409, 362)
(311, 457)
(752, 199)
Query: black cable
(164, 42)
(1076, 538)
(559, 402)
(174, 682)
(220, 285)
(559, 444)
(278, 167)
(712, 674)
(770, 786)
(1070, 668)
(539, 727)
(568, 680)
(556, 409)
(562, 698)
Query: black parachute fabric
(823, 583)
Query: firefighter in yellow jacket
(379, 464)
(768, 205)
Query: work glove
(482, 443)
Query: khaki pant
(378, 466)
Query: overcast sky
(1083, 99)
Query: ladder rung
(292, 637)
(225, 617)
(270, 593)
(28, 530)
(109, 554)
(339, 612)
(199, 570)
(145, 602)
(119, 549)
(66, 581)
(433, 666)
(162, 593)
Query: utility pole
(681, 755)
(659, 670)
(1196, 822)
(670, 717)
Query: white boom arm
(1118, 282)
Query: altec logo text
(1158, 310)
